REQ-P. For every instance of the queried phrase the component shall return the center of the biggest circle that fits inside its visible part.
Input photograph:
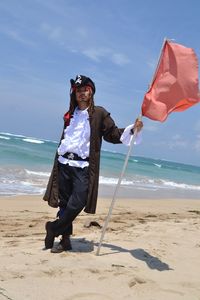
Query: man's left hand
(138, 125)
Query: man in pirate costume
(73, 184)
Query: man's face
(83, 94)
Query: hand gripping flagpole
(117, 188)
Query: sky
(43, 44)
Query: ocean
(26, 162)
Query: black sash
(74, 156)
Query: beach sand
(151, 251)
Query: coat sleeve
(110, 132)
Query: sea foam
(33, 141)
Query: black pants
(73, 192)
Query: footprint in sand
(13, 243)
(136, 280)
(86, 296)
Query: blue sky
(116, 43)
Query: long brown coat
(102, 126)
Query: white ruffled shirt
(77, 139)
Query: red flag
(175, 86)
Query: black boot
(65, 242)
(49, 239)
(64, 245)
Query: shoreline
(107, 191)
(135, 193)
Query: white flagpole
(158, 61)
(116, 189)
(126, 160)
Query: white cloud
(197, 126)
(56, 33)
(177, 142)
(16, 36)
(62, 34)
(176, 137)
(151, 127)
(78, 37)
(197, 144)
(120, 59)
(152, 64)
(53, 33)
(54, 7)
(82, 32)
(97, 54)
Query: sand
(151, 251)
